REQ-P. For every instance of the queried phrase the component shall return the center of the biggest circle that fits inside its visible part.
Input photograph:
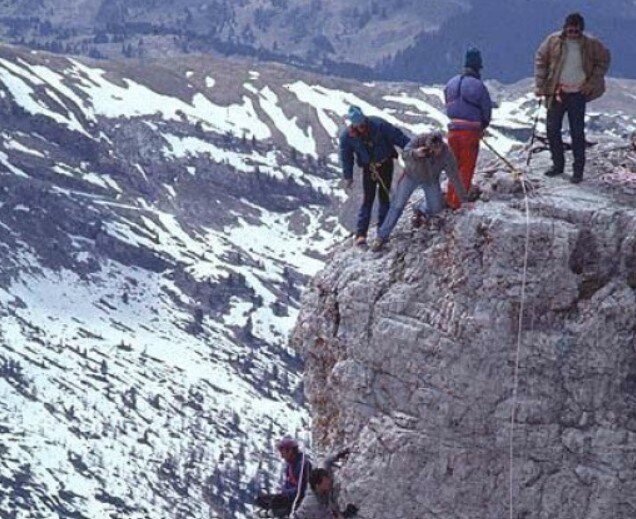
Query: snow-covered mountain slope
(421, 40)
(157, 223)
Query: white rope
(524, 281)
(515, 386)
(300, 482)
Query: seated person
(296, 475)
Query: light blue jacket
(468, 99)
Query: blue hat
(355, 115)
(473, 59)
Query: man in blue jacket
(469, 108)
(371, 141)
(294, 485)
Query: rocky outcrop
(411, 355)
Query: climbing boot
(418, 218)
(378, 244)
(360, 241)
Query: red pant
(465, 146)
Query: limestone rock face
(411, 354)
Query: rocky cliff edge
(411, 355)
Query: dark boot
(418, 218)
(360, 241)
(577, 178)
(378, 244)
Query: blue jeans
(432, 205)
(574, 106)
(370, 186)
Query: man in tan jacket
(570, 68)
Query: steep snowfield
(157, 224)
(84, 353)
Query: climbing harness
(524, 281)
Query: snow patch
(297, 138)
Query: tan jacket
(550, 58)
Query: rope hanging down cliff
(515, 387)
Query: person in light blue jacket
(469, 108)
(468, 102)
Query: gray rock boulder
(411, 357)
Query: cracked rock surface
(410, 359)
